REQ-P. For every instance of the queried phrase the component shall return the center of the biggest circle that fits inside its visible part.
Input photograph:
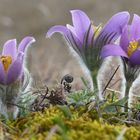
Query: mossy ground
(62, 123)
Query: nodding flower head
(87, 39)
(129, 46)
(11, 60)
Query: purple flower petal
(135, 28)
(114, 26)
(27, 41)
(73, 38)
(135, 57)
(10, 49)
(72, 29)
(81, 24)
(124, 41)
(68, 34)
(15, 69)
(58, 29)
(112, 50)
(2, 74)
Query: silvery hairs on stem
(117, 83)
(14, 95)
(132, 76)
(107, 68)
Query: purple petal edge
(15, 69)
(57, 29)
(124, 40)
(10, 48)
(117, 22)
(25, 43)
(135, 57)
(112, 50)
(2, 75)
(81, 24)
(135, 28)
(114, 26)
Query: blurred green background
(49, 58)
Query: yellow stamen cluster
(133, 45)
(96, 30)
(6, 61)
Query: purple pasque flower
(11, 60)
(86, 39)
(129, 46)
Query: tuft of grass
(79, 98)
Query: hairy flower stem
(95, 83)
(94, 79)
(127, 89)
(130, 77)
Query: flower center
(133, 45)
(6, 61)
(97, 30)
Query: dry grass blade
(8, 127)
(52, 132)
(109, 80)
(120, 136)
